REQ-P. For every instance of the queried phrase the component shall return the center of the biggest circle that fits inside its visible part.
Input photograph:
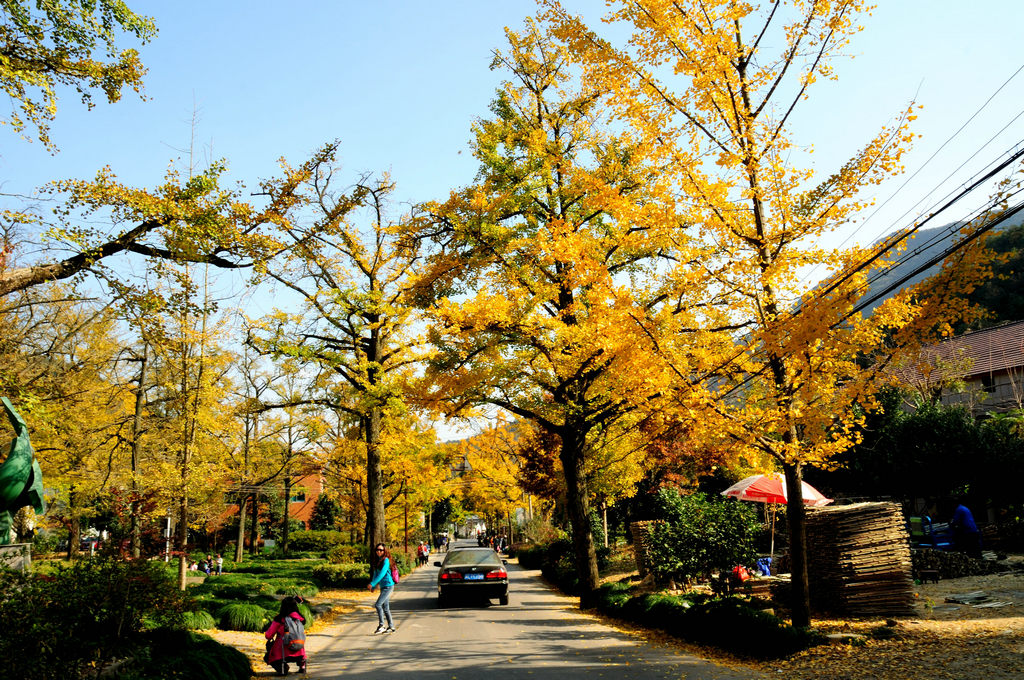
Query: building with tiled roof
(982, 370)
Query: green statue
(21, 480)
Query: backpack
(394, 573)
(294, 635)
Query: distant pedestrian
(422, 553)
(966, 537)
(209, 565)
(220, 564)
(380, 574)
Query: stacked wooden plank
(641, 532)
(951, 564)
(859, 560)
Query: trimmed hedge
(532, 556)
(728, 623)
(315, 541)
(341, 575)
(348, 553)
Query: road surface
(539, 635)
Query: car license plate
(474, 577)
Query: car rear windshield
(470, 557)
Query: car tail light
(497, 573)
(450, 575)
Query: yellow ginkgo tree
(541, 269)
(714, 83)
(47, 46)
(352, 326)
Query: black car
(475, 572)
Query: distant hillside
(929, 243)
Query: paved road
(540, 635)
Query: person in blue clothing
(380, 574)
(966, 537)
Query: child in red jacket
(286, 638)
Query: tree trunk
(74, 527)
(182, 542)
(604, 522)
(135, 539)
(287, 503)
(254, 528)
(578, 506)
(243, 501)
(796, 513)
(376, 525)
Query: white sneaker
(380, 629)
(390, 630)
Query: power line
(891, 243)
(932, 157)
(861, 305)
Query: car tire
(503, 599)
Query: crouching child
(286, 638)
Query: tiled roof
(991, 350)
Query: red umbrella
(771, 488)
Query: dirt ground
(944, 640)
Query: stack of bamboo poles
(859, 560)
(641, 544)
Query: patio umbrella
(771, 488)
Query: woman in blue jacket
(380, 574)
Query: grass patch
(199, 619)
(240, 616)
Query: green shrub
(736, 626)
(307, 614)
(243, 616)
(532, 556)
(45, 542)
(198, 620)
(315, 541)
(348, 553)
(171, 654)
(560, 568)
(612, 598)
(701, 534)
(733, 624)
(341, 575)
(82, 615)
(514, 549)
(538, 530)
(403, 562)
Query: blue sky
(399, 83)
